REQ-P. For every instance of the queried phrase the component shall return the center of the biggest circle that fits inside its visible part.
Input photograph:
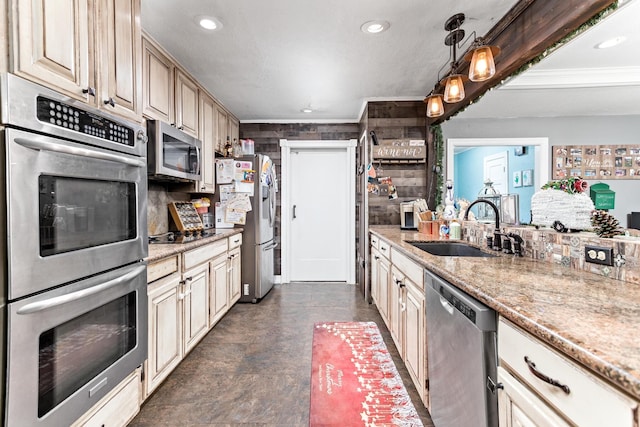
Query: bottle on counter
(455, 230)
(237, 148)
(228, 148)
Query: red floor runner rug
(354, 381)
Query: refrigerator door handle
(272, 246)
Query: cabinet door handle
(110, 101)
(543, 377)
(89, 91)
(294, 211)
(182, 296)
(376, 257)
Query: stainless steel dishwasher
(462, 361)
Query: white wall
(593, 130)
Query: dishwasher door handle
(447, 305)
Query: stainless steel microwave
(172, 155)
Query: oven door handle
(74, 296)
(77, 151)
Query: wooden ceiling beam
(523, 34)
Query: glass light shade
(435, 108)
(482, 65)
(454, 89)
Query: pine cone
(605, 225)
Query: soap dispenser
(449, 208)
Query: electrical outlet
(598, 255)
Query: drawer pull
(543, 377)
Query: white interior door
(318, 213)
(496, 169)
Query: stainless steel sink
(450, 249)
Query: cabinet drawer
(374, 241)
(204, 253)
(590, 402)
(235, 241)
(118, 407)
(410, 268)
(162, 268)
(384, 248)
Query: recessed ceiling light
(374, 27)
(611, 42)
(306, 110)
(209, 23)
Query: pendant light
(435, 108)
(482, 66)
(454, 89)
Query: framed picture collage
(596, 161)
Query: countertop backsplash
(567, 249)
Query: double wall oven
(76, 191)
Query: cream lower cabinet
(188, 294)
(579, 397)
(397, 288)
(165, 327)
(118, 407)
(397, 318)
(219, 288)
(195, 304)
(415, 338)
(235, 270)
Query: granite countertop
(158, 250)
(590, 318)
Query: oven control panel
(70, 117)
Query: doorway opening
(318, 211)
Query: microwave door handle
(198, 159)
(78, 295)
(77, 151)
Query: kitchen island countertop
(159, 250)
(592, 319)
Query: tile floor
(253, 368)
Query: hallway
(253, 368)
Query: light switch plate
(598, 255)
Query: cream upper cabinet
(222, 126)
(118, 57)
(186, 104)
(234, 128)
(50, 44)
(86, 49)
(157, 83)
(208, 137)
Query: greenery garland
(438, 148)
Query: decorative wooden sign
(596, 161)
(400, 151)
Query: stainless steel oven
(75, 185)
(77, 198)
(69, 346)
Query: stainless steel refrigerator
(258, 238)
